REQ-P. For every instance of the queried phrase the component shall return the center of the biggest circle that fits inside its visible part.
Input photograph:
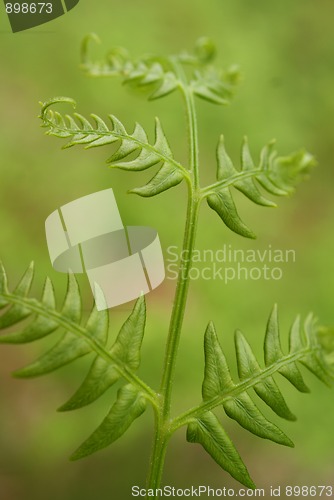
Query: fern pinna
(193, 75)
(109, 365)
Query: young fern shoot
(194, 76)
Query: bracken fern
(194, 75)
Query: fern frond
(79, 130)
(158, 76)
(215, 86)
(306, 347)
(277, 175)
(152, 74)
(79, 339)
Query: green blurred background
(286, 51)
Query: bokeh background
(285, 50)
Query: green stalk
(181, 293)
(179, 301)
(162, 422)
(158, 454)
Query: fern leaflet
(109, 365)
(277, 175)
(309, 346)
(80, 131)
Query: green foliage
(277, 175)
(193, 75)
(220, 389)
(126, 350)
(156, 76)
(207, 431)
(309, 345)
(80, 131)
(109, 364)
(129, 405)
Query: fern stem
(191, 119)
(162, 423)
(193, 134)
(194, 201)
(180, 300)
(158, 454)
